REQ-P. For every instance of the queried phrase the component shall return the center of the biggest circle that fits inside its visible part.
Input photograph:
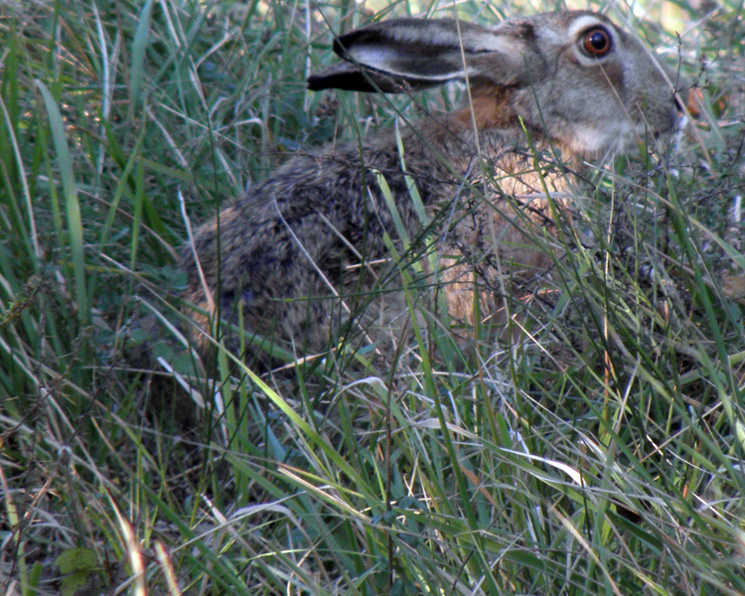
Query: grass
(596, 447)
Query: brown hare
(304, 258)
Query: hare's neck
(520, 160)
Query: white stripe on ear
(441, 68)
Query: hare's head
(572, 77)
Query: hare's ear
(410, 54)
(353, 77)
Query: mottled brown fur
(303, 253)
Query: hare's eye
(596, 42)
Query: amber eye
(596, 42)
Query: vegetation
(595, 446)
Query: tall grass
(595, 446)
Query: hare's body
(301, 253)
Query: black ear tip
(346, 80)
(341, 75)
(338, 48)
(342, 42)
(315, 83)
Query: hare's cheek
(610, 74)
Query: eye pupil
(596, 42)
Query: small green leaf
(76, 566)
(77, 559)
